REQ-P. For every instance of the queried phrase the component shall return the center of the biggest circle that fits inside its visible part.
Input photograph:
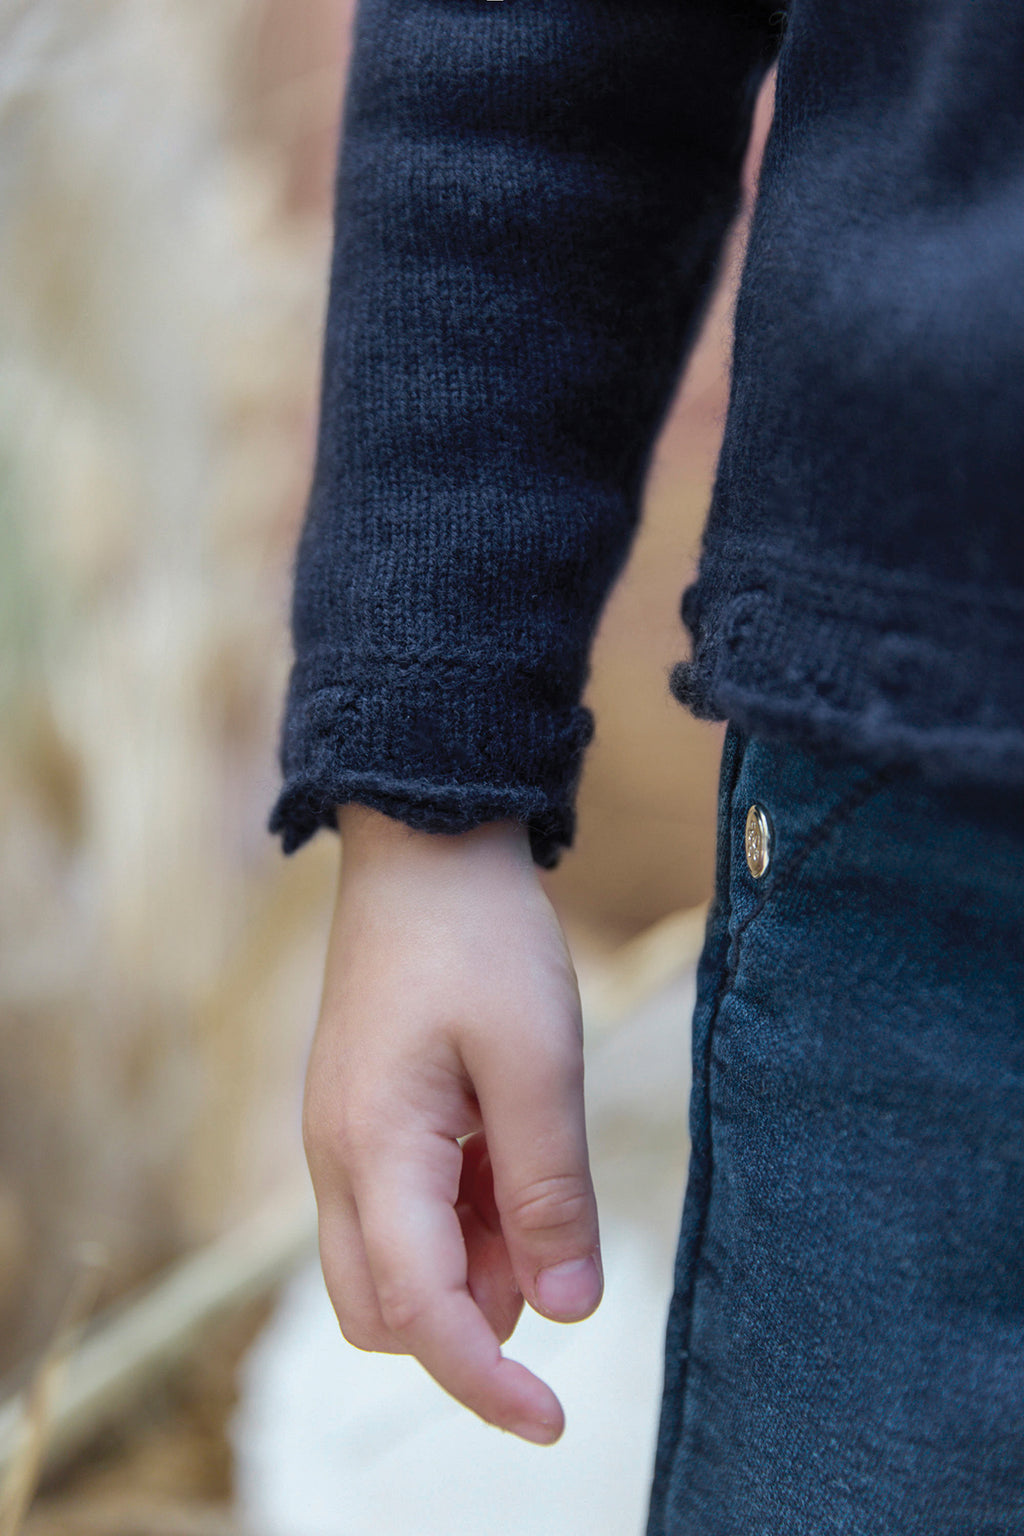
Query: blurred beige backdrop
(165, 176)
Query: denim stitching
(660, 1491)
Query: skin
(443, 1117)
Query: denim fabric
(845, 1345)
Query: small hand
(444, 1121)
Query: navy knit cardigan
(532, 196)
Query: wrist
(368, 834)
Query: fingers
(351, 1285)
(532, 1105)
(347, 1276)
(490, 1277)
(418, 1260)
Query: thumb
(531, 1103)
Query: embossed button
(757, 841)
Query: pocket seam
(843, 809)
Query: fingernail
(570, 1290)
(537, 1434)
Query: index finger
(417, 1258)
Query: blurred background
(165, 184)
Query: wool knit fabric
(532, 197)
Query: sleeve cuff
(406, 754)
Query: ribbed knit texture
(532, 196)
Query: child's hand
(450, 1009)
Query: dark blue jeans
(845, 1345)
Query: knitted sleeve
(531, 198)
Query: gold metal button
(757, 841)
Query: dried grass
(23, 1471)
(159, 308)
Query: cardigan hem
(884, 671)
